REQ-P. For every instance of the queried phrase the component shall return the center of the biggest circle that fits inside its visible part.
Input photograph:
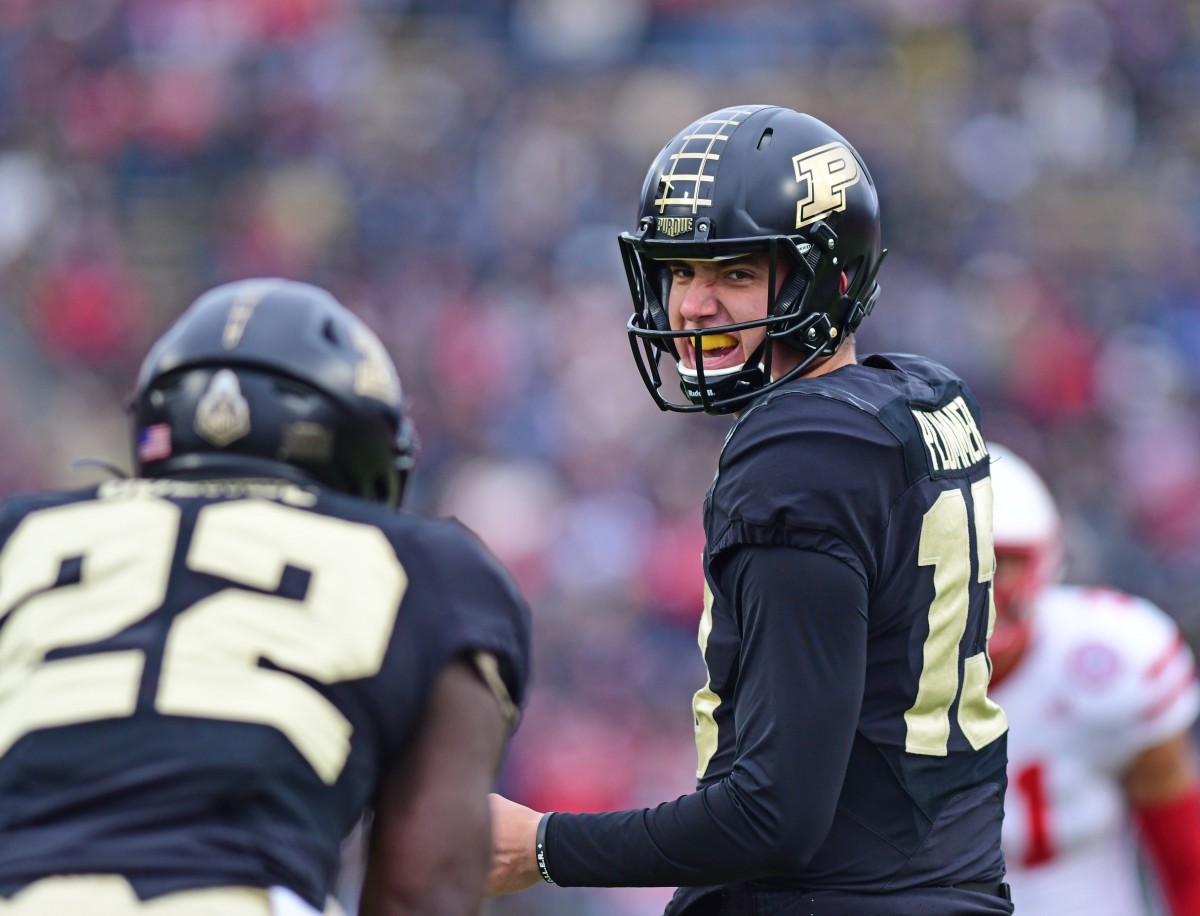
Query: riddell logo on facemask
(828, 170)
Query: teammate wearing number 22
(209, 671)
(850, 761)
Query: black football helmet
(273, 378)
(743, 180)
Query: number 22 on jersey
(338, 631)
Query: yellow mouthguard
(717, 342)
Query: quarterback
(850, 760)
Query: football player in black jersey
(850, 761)
(209, 671)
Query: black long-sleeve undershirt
(803, 622)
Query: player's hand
(514, 841)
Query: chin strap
(858, 309)
(1171, 834)
(717, 387)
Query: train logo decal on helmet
(701, 148)
(222, 413)
(243, 307)
(828, 170)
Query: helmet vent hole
(765, 140)
(329, 332)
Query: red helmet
(1027, 532)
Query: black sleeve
(488, 611)
(803, 659)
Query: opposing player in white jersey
(1100, 691)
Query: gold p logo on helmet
(829, 170)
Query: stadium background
(456, 171)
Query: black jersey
(201, 682)
(848, 562)
(881, 466)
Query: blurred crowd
(456, 171)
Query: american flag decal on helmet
(154, 442)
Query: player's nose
(699, 301)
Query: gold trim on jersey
(705, 701)
(488, 667)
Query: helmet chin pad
(718, 385)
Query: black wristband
(541, 849)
